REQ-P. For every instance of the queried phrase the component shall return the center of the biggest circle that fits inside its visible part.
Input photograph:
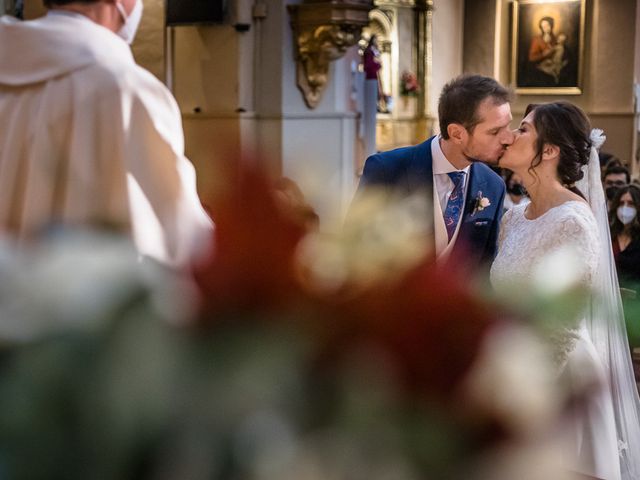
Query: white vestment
(89, 137)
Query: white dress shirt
(441, 167)
(443, 187)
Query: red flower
(251, 265)
(428, 321)
(430, 324)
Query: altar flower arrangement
(285, 354)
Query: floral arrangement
(409, 85)
(287, 353)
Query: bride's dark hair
(566, 126)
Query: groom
(474, 115)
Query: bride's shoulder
(516, 211)
(513, 214)
(575, 209)
(576, 216)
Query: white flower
(385, 235)
(559, 272)
(513, 379)
(76, 279)
(481, 203)
(597, 138)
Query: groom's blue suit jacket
(409, 170)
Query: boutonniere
(481, 203)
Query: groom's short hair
(461, 97)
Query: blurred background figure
(372, 92)
(615, 177)
(516, 193)
(19, 9)
(608, 160)
(292, 201)
(372, 62)
(625, 234)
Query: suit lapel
(420, 177)
(477, 188)
(420, 168)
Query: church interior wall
(448, 18)
(237, 92)
(479, 36)
(326, 180)
(249, 104)
(608, 68)
(637, 42)
(237, 89)
(392, 23)
(411, 120)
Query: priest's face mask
(131, 13)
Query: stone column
(424, 51)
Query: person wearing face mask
(625, 234)
(89, 137)
(516, 193)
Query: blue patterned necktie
(454, 205)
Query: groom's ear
(456, 132)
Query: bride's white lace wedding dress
(592, 446)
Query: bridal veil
(606, 324)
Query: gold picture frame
(547, 47)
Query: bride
(554, 151)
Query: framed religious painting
(547, 46)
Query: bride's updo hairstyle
(566, 126)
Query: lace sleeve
(579, 232)
(506, 217)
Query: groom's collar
(440, 163)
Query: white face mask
(131, 22)
(626, 214)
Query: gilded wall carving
(323, 31)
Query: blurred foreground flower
(75, 279)
(384, 237)
(312, 355)
(252, 265)
(552, 299)
(376, 282)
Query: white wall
(238, 95)
(448, 22)
(315, 147)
